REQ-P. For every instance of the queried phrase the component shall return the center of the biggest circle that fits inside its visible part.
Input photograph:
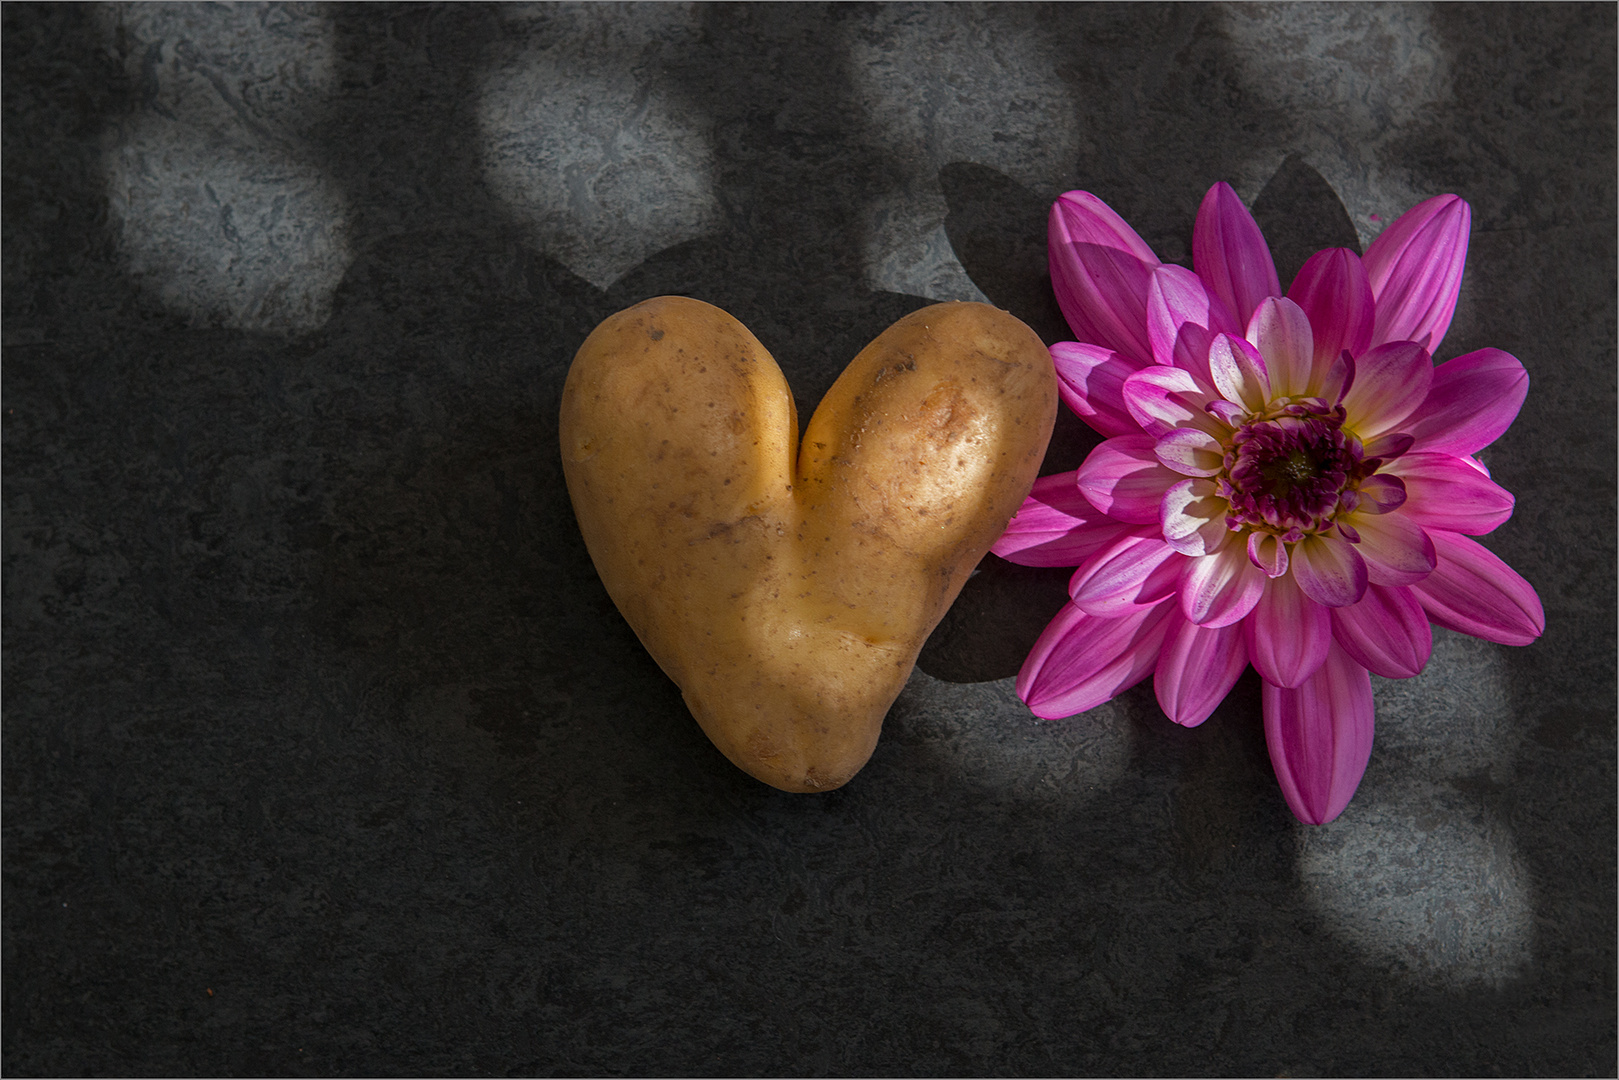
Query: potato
(788, 591)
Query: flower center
(1291, 469)
(1294, 468)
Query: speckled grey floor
(326, 752)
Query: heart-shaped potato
(788, 591)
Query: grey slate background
(325, 751)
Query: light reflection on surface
(603, 165)
(219, 212)
(1420, 872)
(988, 93)
(982, 734)
(1316, 97)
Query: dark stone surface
(326, 752)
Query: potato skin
(789, 592)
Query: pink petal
(1099, 272)
(1230, 254)
(1268, 553)
(1162, 399)
(1473, 399)
(1329, 570)
(1444, 492)
(1387, 632)
(1281, 331)
(1124, 479)
(1091, 382)
(1390, 382)
(1390, 446)
(1320, 737)
(1135, 571)
(1238, 371)
(1192, 515)
(1057, 526)
(1333, 291)
(1228, 413)
(1182, 318)
(1190, 452)
(1197, 669)
(1340, 377)
(1415, 270)
(1476, 593)
(1382, 494)
(1397, 550)
(1081, 660)
(1221, 589)
(1288, 633)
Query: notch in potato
(787, 588)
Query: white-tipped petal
(1238, 371)
(1221, 589)
(1191, 452)
(1281, 332)
(1193, 517)
(1329, 570)
(1266, 551)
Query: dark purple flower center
(1291, 471)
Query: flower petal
(1397, 550)
(1390, 446)
(1387, 632)
(1288, 633)
(1190, 452)
(1339, 378)
(1266, 551)
(1473, 399)
(1196, 670)
(1381, 493)
(1081, 660)
(1390, 382)
(1099, 272)
(1230, 254)
(1329, 570)
(1162, 399)
(1474, 592)
(1135, 571)
(1192, 515)
(1238, 371)
(1335, 295)
(1222, 588)
(1182, 318)
(1228, 413)
(1091, 382)
(1057, 526)
(1124, 479)
(1281, 331)
(1445, 492)
(1320, 737)
(1415, 269)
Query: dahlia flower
(1287, 481)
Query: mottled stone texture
(325, 751)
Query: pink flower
(1288, 481)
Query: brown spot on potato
(946, 415)
(760, 743)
